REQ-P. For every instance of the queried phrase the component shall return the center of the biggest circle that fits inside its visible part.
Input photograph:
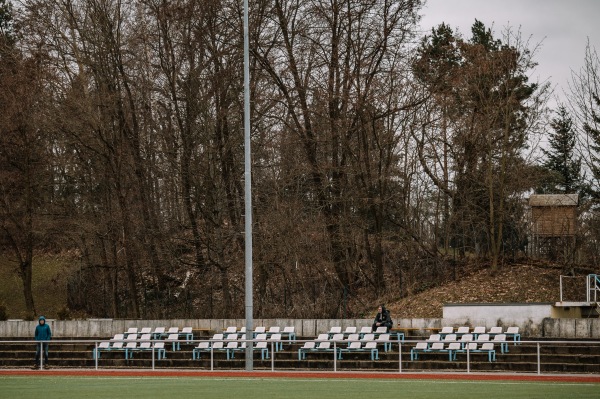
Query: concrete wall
(102, 328)
(571, 328)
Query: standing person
(42, 333)
(383, 319)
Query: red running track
(575, 378)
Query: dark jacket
(42, 331)
(384, 318)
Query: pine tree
(561, 157)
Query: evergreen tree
(561, 158)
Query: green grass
(49, 286)
(50, 387)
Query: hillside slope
(512, 283)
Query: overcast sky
(561, 26)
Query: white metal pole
(248, 188)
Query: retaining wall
(102, 328)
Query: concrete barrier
(102, 328)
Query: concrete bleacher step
(568, 358)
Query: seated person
(383, 319)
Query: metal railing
(401, 346)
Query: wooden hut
(553, 224)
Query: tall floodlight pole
(247, 192)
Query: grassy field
(49, 286)
(50, 387)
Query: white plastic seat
(290, 332)
(501, 340)
(146, 330)
(187, 333)
(434, 337)
(129, 348)
(385, 339)
(131, 331)
(478, 330)
(495, 330)
(450, 337)
(276, 338)
(514, 333)
(230, 330)
(462, 330)
(483, 337)
(308, 346)
(447, 330)
(102, 346)
(158, 333)
(350, 330)
(420, 347)
(159, 347)
(174, 339)
(365, 330)
(203, 346)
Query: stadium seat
(462, 330)
(309, 345)
(445, 331)
(159, 347)
(174, 339)
(290, 333)
(158, 333)
(514, 333)
(350, 330)
(420, 347)
(102, 346)
(365, 330)
(334, 330)
(385, 339)
(187, 333)
(203, 346)
(501, 339)
(131, 331)
(478, 330)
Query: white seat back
(500, 338)
(381, 330)
(104, 345)
(383, 338)
(353, 337)
(337, 337)
(450, 337)
(350, 330)
(479, 330)
(217, 336)
(231, 337)
(488, 346)
(146, 330)
(203, 345)
(483, 337)
(260, 329)
(436, 346)
(355, 345)
(463, 330)
(218, 345)
(324, 345)
(421, 345)
(274, 329)
(261, 336)
(145, 345)
(173, 330)
(496, 330)
(309, 345)
(371, 345)
(289, 329)
(512, 330)
(447, 330)
(335, 330)
(366, 330)
(322, 337)
(368, 337)
(186, 330)
(231, 330)
(466, 338)
(434, 337)
(146, 337)
(118, 337)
